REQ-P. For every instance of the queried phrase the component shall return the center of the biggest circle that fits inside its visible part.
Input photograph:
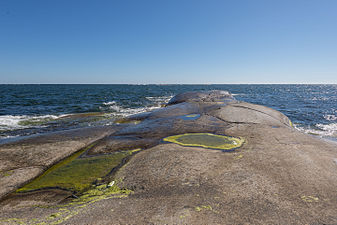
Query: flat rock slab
(24, 160)
(278, 175)
(262, 183)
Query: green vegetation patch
(76, 174)
(62, 213)
(35, 121)
(127, 121)
(190, 117)
(207, 140)
(6, 173)
(309, 198)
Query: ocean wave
(330, 117)
(109, 103)
(321, 98)
(8, 136)
(10, 122)
(159, 99)
(124, 112)
(118, 110)
(329, 129)
(322, 130)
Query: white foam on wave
(124, 112)
(120, 111)
(8, 136)
(159, 99)
(116, 108)
(320, 98)
(10, 122)
(322, 130)
(330, 117)
(109, 103)
(329, 129)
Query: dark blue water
(30, 109)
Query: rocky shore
(205, 158)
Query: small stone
(111, 183)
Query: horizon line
(168, 84)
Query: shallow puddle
(76, 174)
(207, 140)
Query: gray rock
(278, 176)
(206, 96)
(250, 113)
(22, 161)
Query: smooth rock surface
(278, 176)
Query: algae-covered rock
(115, 143)
(77, 174)
(30, 157)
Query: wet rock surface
(277, 175)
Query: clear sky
(168, 41)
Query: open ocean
(32, 109)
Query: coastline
(201, 156)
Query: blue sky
(168, 41)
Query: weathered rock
(250, 113)
(202, 97)
(114, 143)
(23, 160)
(168, 111)
(278, 175)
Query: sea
(32, 109)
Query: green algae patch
(12, 221)
(127, 121)
(103, 191)
(62, 213)
(237, 157)
(309, 198)
(206, 140)
(6, 173)
(29, 186)
(98, 193)
(205, 208)
(76, 174)
(190, 117)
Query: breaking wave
(322, 130)
(118, 110)
(22, 125)
(9, 122)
